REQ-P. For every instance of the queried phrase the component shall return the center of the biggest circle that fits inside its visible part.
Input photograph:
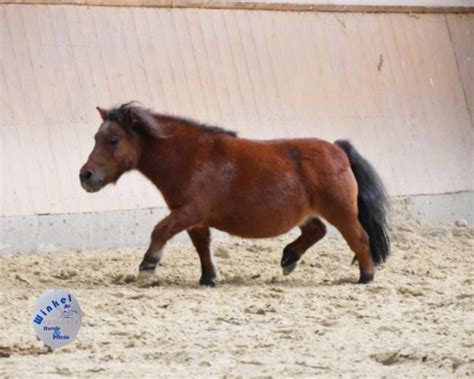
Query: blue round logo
(57, 318)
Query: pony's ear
(103, 113)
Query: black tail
(372, 201)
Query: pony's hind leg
(311, 232)
(347, 222)
(201, 239)
(358, 240)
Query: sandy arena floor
(415, 320)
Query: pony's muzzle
(85, 175)
(90, 182)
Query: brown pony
(254, 189)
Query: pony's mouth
(94, 186)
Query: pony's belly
(244, 232)
(260, 225)
(262, 201)
(253, 233)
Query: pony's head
(117, 145)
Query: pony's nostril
(85, 175)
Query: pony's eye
(113, 141)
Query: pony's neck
(167, 163)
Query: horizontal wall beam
(387, 6)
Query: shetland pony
(211, 178)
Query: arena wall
(400, 86)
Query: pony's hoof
(289, 260)
(145, 274)
(366, 278)
(287, 270)
(208, 282)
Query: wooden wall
(400, 86)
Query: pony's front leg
(177, 221)
(201, 238)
